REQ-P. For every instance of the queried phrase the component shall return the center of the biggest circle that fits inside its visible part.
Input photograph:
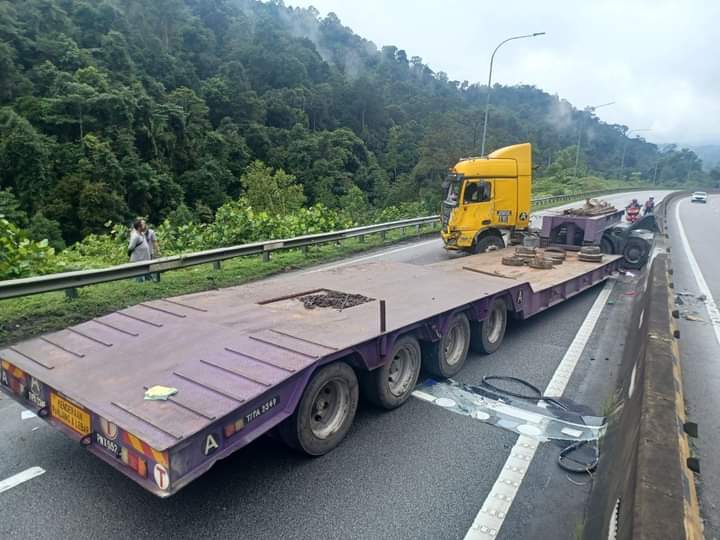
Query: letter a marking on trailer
(210, 445)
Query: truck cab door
(477, 205)
(505, 200)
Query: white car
(699, 196)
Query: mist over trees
(163, 108)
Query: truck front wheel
(488, 243)
(390, 386)
(488, 335)
(325, 412)
(444, 358)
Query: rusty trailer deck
(240, 357)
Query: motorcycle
(632, 214)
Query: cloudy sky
(658, 60)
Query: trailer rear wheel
(390, 386)
(325, 412)
(444, 358)
(488, 335)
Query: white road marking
(27, 414)
(353, 261)
(494, 510)
(19, 478)
(710, 304)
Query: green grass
(21, 318)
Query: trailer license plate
(69, 414)
(110, 446)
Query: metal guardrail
(71, 281)
(542, 201)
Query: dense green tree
(271, 191)
(116, 108)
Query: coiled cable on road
(576, 466)
(537, 393)
(565, 462)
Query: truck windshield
(454, 183)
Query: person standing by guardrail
(153, 246)
(138, 248)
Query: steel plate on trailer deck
(224, 348)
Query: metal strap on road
(69, 281)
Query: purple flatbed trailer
(574, 231)
(245, 360)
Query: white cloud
(657, 59)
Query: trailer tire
(487, 335)
(488, 243)
(325, 412)
(635, 252)
(390, 386)
(445, 357)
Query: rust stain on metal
(108, 325)
(284, 348)
(210, 387)
(328, 347)
(161, 310)
(202, 310)
(25, 355)
(259, 360)
(69, 351)
(129, 411)
(287, 297)
(96, 340)
(235, 372)
(156, 325)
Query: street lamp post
(590, 110)
(627, 138)
(487, 101)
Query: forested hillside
(116, 108)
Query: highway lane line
(497, 504)
(710, 304)
(19, 478)
(353, 261)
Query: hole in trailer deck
(323, 298)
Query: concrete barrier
(644, 488)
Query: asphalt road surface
(416, 472)
(696, 263)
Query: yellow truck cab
(486, 195)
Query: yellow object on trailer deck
(486, 195)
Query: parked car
(699, 196)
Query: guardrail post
(305, 250)
(383, 235)
(266, 256)
(361, 238)
(71, 293)
(216, 265)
